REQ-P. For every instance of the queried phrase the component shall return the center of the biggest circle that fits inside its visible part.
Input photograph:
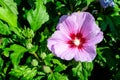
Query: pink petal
(57, 37)
(72, 23)
(50, 43)
(80, 18)
(91, 50)
(94, 40)
(63, 18)
(60, 48)
(87, 54)
(89, 26)
(68, 54)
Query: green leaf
(56, 61)
(57, 76)
(32, 49)
(116, 8)
(6, 52)
(1, 63)
(110, 60)
(5, 42)
(60, 67)
(29, 74)
(38, 16)
(103, 25)
(38, 77)
(116, 20)
(87, 67)
(18, 52)
(100, 53)
(78, 2)
(48, 59)
(24, 72)
(111, 25)
(18, 72)
(82, 70)
(4, 29)
(76, 70)
(59, 5)
(47, 1)
(8, 12)
(89, 1)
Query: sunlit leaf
(18, 52)
(82, 70)
(38, 16)
(24, 72)
(59, 67)
(6, 52)
(89, 1)
(48, 59)
(1, 63)
(4, 29)
(57, 76)
(8, 12)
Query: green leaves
(57, 76)
(8, 12)
(111, 25)
(24, 72)
(59, 67)
(89, 1)
(4, 29)
(18, 52)
(107, 21)
(82, 70)
(38, 16)
(1, 64)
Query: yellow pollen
(77, 42)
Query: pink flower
(76, 37)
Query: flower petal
(57, 37)
(87, 54)
(94, 40)
(63, 18)
(91, 50)
(68, 54)
(60, 48)
(72, 23)
(89, 25)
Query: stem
(84, 9)
(36, 56)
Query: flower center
(76, 42)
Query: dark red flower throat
(76, 40)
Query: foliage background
(25, 26)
